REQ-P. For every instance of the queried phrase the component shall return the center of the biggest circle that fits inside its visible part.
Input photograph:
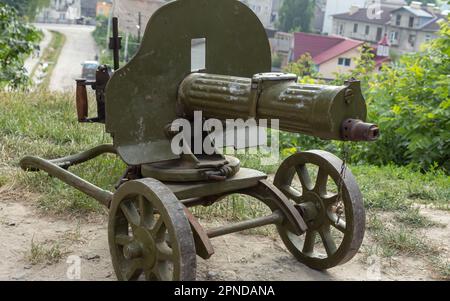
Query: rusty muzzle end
(358, 130)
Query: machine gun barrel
(327, 112)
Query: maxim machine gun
(152, 234)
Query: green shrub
(410, 101)
(17, 40)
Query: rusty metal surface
(141, 96)
(270, 195)
(320, 209)
(274, 219)
(85, 156)
(149, 234)
(245, 178)
(357, 130)
(316, 110)
(203, 245)
(34, 163)
(211, 168)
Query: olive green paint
(141, 96)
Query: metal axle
(275, 218)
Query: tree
(304, 66)
(27, 8)
(17, 41)
(296, 15)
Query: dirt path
(238, 257)
(79, 47)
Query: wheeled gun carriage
(152, 234)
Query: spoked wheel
(149, 235)
(331, 205)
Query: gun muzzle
(357, 130)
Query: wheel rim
(335, 225)
(149, 235)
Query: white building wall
(334, 7)
(266, 10)
(60, 11)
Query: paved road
(79, 47)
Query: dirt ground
(238, 257)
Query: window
(273, 17)
(427, 38)
(394, 36)
(367, 30)
(355, 28)
(398, 20)
(379, 33)
(344, 62)
(412, 40)
(341, 29)
(411, 22)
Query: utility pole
(139, 27)
(111, 13)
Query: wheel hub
(132, 251)
(143, 246)
(313, 210)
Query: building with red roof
(330, 54)
(333, 54)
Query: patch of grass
(4, 179)
(73, 236)
(51, 55)
(259, 162)
(48, 252)
(44, 124)
(398, 240)
(392, 188)
(414, 219)
(233, 208)
(442, 267)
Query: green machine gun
(152, 233)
